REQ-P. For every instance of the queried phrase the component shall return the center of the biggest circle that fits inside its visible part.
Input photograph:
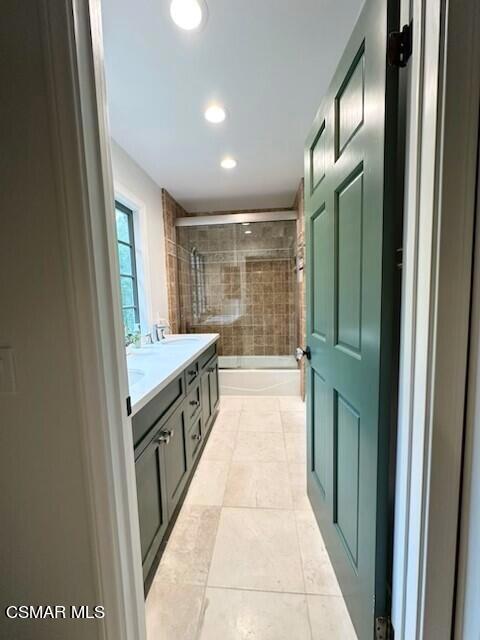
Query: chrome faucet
(160, 330)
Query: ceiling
(268, 61)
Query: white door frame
(72, 31)
(443, 110)
(442, 121)
(467, 614)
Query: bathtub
(259, 375)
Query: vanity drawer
(193, 404)
(191, 373)
(207, 355)
(158, 410)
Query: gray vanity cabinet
(169, 435)
(152, 501)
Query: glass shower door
(239, 280)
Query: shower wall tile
(177, 287)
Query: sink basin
(134, 376)
(178, 340)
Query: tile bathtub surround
(176, 281)
(246, 559)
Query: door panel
(347, 452)
(176, 458)
(320, 240)
(152, 502)
(348, 232)
(320, 445)
(195, 439)
(317, 155)
(349, 103)
(205, 392)
(350, 240)
(213, 382)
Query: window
(128, 271)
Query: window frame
(132, 249)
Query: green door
(351, 221)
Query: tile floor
(245, 560)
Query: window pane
(129, 320)
(123, 230)
(125, 259)
(126, 285)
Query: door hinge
(399, 258)
(399, 46)
(383, 628)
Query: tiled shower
(239, 280)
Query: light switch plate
(7, 371)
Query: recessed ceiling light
(215, 114)
(246, 224)
(188, 14)
(228, 163)
(247, 232)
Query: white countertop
(152, 367)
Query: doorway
(238, 280)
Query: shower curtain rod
(236, 218)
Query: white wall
(136, 189)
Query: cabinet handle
(164, 437)
(211, 369)
(194, 403)
(197, 436)
(192, 372)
